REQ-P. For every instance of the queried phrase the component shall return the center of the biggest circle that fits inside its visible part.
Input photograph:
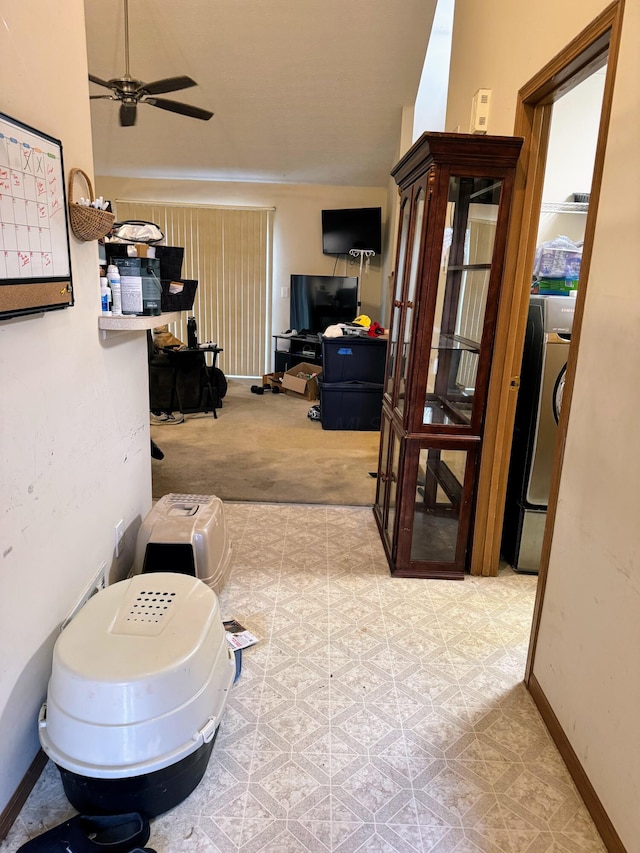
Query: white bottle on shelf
(113, 277)
(105, 294)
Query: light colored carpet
(265, 448)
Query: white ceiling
(303, 91)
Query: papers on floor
(237, 635)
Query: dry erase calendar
(35, 267)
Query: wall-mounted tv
(318, 301)
(355, 228)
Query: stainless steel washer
(544, 362)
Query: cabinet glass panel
(396, 312)
(438, 498)
(461, 300)
(411, 293)
(381, 486)
(392, 484)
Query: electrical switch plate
(284, 292)
(119, 531)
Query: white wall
(297, 236)
(431, 102)
(587, 656)
(74, 427)
(572, 149)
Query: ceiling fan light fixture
(128, 113)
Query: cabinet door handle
(409, 304)
(383, 478)
(397, 303)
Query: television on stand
(318, 301)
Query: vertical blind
(228, 250)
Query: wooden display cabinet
(455, 196)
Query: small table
(190, 361)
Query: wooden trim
(586, 53)
(15, 804)
(512, 314)
(586, 790)
(567, 394)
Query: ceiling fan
(131, 92)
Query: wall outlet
(98, 583)
(119, 536)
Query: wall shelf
(126, 323)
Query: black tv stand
(300, 348)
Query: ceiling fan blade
(176, 107)
(127, 115)
(99, 81)
(170, 84)
(101, 98)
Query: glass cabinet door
(383, 468)
(441, 481)
(462, 299)
(436, 508)
(417, 219)
(387, 487)
(392, 484)
(396, 309)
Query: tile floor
(377, 714)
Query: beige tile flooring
(377, 714)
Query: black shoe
(93, 834)
(256, 389)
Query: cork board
(35, 262)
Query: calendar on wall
(35, 262)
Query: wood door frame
(589, 50)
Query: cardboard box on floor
(301, 386)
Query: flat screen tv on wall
(318, 301)
(355, 228)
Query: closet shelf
(564, 207)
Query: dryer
(544, 364)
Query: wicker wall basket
(87, 223)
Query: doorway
(555, 281)
(595, 48)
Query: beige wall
(74, 432)
(297, 237)
(587, 659)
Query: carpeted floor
(265, 448)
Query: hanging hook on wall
(363, 254)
